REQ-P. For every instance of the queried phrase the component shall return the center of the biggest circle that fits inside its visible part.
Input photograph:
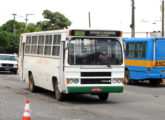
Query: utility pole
(162, 18)
(132, 26)
(14, 27)
(26, 20)
(89, 16)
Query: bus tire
(59, 95)
(103, 96)
(32, 86)
(155, 81)
(127, 80)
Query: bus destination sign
(95, 33)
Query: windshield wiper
(109, 65)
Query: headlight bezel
(73, 80)
(117, 80)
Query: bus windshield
(97, 51)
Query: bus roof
(46, 32)
(67, 30)
(141, 39)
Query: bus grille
(96, 81)
(95, 74)
(7, 65)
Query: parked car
(8, 62)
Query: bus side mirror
(67, 45)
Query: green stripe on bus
(114, 89)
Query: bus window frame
(135, 50)
(44, 45)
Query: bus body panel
(160, 49)
(40, 68)
(147, 68)
(75, 72)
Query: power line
(89, 16)
(162, 18)
(26, 19)
(133, 19)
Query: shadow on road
(78, 98)
(85, 99)
(147, 84)
(6, 73)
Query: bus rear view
(144, 60)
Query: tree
(55, 20)
(44, 25)
(13, 43)
(33, 28)
(4, 41)
(9, 42)
(8, 27)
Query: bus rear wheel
(127, 80)
(155, 81)
(59, 95)
(103, 96)
(32, 86)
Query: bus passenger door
(160, 56)
(21, 57)
(61, 72)
(160, 48)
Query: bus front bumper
(95, 89)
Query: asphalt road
(138, 102)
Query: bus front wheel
(59, 95)
(103, 96)
(32, 86)
(127, 78)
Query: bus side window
(28, 45)
(124, 46)
(127, 50)
(144, 47)
(130, 50)
(34, 45)
(48, 45)
(56, 45)
(140, 49)
(40, 45)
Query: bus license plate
(96, 89)
(7, 69)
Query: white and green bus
(73, 61)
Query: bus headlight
(0, 65)
(117, 80)
(72, 81)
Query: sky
(105, 14)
